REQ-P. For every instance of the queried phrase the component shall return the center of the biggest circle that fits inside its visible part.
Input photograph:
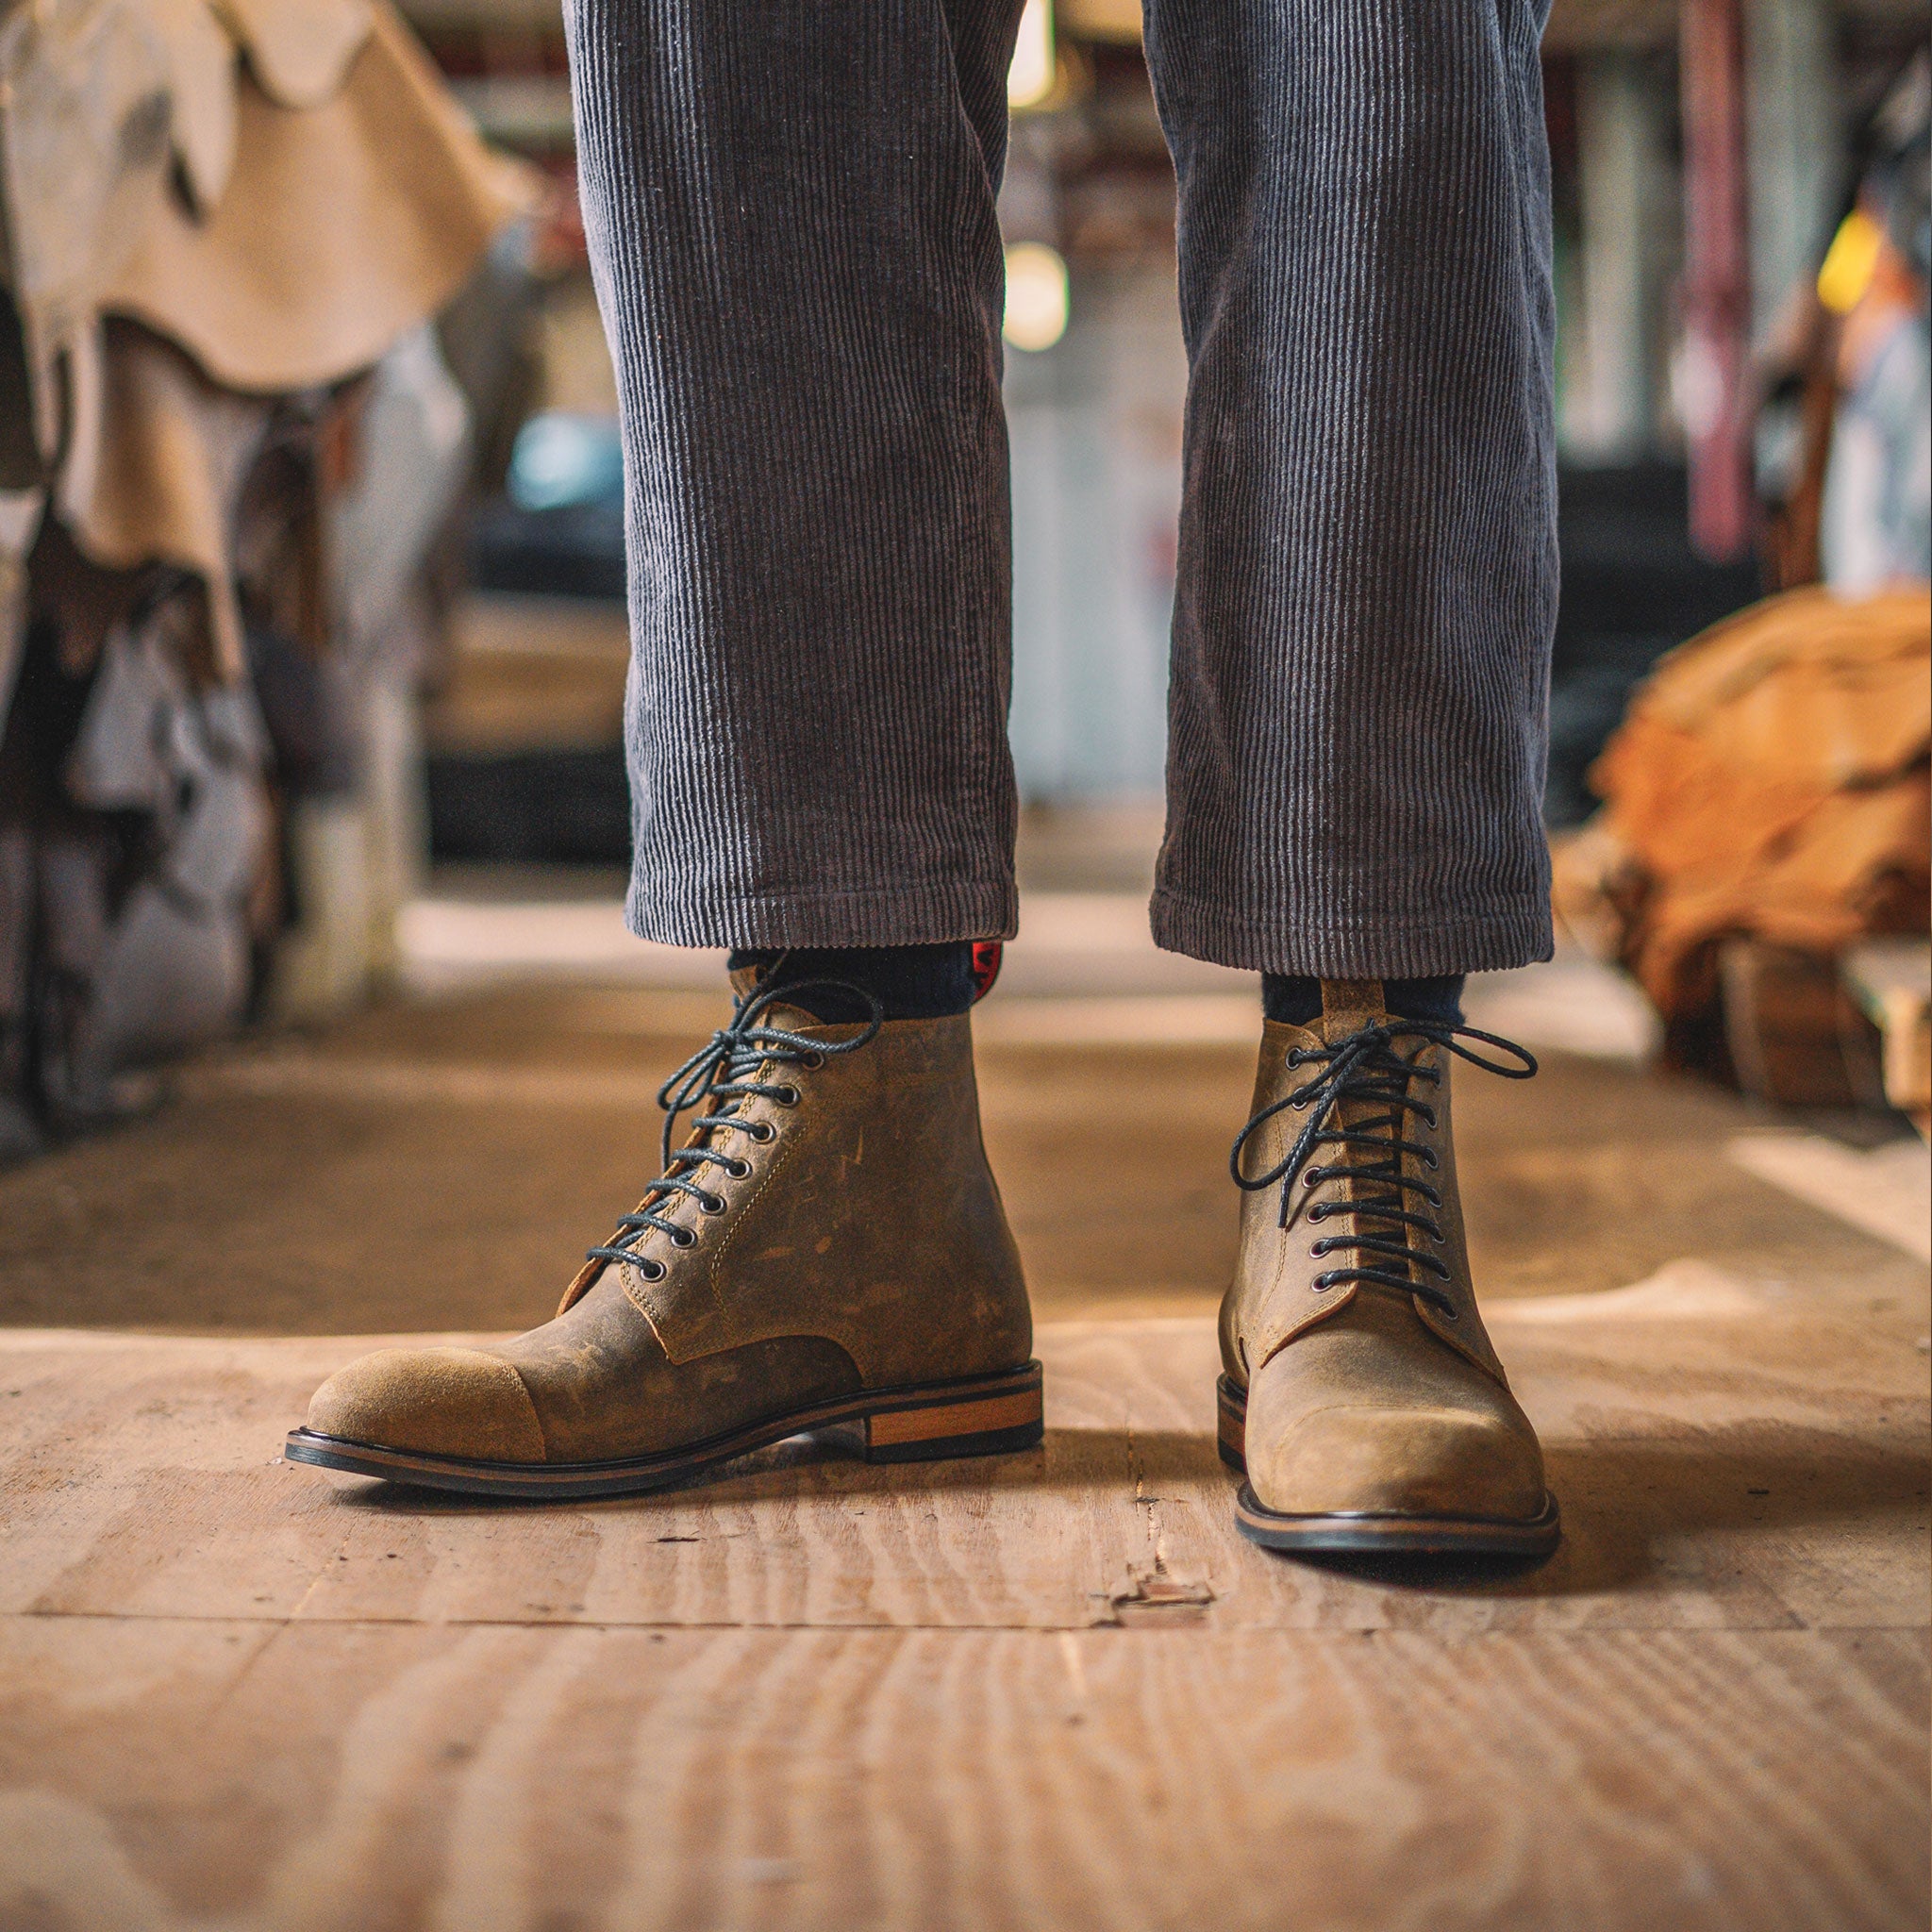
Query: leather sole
(1340, 1533)
(983, 1415)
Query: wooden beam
(1717, 284)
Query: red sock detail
(986, 955)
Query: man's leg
(1366, 597)
(790, 214)
(1368, 569)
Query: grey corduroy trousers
(791, 215)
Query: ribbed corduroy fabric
(1368, 570)
(789, 207)
(791, 223)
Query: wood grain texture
(506, 1777)
(1765, 1470)
(1051, 1690)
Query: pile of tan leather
(273, 191)
(225, 226)
(1769, 787)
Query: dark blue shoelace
(721, 1071)
(1368, 1068)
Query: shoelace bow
(721, 1071)
(1368, 1068)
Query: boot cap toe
(434, 1402)
(1399, 1461)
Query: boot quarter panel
(870, 1220)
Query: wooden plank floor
(1050, 1690)
(1047, 1690)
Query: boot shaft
(1319, 1220)
(864, 1212)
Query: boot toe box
(455, 1402)
(1397, 1461)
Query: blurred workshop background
(312, 637)
(319, 1025)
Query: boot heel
(1232, 1404)
(990, 1416)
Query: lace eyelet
(683, 1238)
(1430, 1156)
(787, 1097)
(652, 1270)
(812, 1063)
(762, 1131)
(712, 1204)
(738, 1169)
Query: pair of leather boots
(827, 1247)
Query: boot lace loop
(1369, 1069)
(718, 1079)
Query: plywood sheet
(181, 1776)
(1755, 1470)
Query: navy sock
(909, 982)
(1296, 999)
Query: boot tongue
(1348, 1006)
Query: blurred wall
(1096, 425)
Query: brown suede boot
(1361, 1397)
(827, 1247)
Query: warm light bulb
(1850, 262)
(1036, 295)
(1031, 79)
